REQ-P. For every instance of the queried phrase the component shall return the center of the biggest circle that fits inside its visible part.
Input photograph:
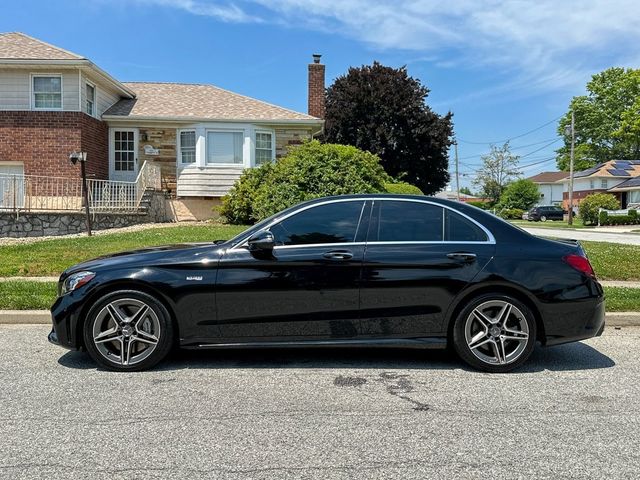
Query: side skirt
(420, 343)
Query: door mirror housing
(262, 241)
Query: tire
(128, 330)
(489, 346)
(543, 218)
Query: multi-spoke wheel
(128, 330)
(495, 333)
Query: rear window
(460, 229)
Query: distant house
(549, 188)
(53, 102)
(451, 195)
(619, 177)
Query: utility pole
(455, 143)
(573, 142)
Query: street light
(81, 157)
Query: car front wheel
(495, 333)
(128, 330)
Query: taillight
(580, 263)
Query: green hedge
(308, 171)
(630, 219)
(402, 188)
(511, 213)
(592, 204)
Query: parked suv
(544, 213)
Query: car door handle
(338, 255)
(462, 256)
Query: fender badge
(195, 278)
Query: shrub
(511, 213)
(402, 188)
(482, 205)
(521, 194)
(237, 205)
(590, 206)
(308, 171)
(629, 219)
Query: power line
(513, 138)
(541, 148)
(510, 147)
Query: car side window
(460, 229)
(410, 222)
(330, 223)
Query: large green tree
(382, 110)
(607, 120)
(499, 167)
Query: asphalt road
(590, 235)
(573, 412)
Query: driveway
(625, 238)
(571, 413)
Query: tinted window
(459, 229)
(409, 222)
(330, 223)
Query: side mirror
(261, 241)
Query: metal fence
(41, 193)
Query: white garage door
(11, 185)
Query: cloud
(548, 44)
(226, 12)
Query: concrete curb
(43, 317)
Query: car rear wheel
(495, 333)
(128, 330)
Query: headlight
(75, 281)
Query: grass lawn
(577, 223)
(614, 261)
(51, 257)
(26, 295)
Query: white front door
(11, 185)
(123, 154)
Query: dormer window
(47, 92)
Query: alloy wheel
(496, 332)
(126, 331)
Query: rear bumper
(575, 321)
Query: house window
(264, 147)
(188, 146)
(47, 92)
(90, 95)
(592, 184)
(603, 183)
(224, 147)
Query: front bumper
(65, 315)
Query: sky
(507, 69)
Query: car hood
(148, 256)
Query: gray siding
(105, 96)
(15, 88)
(207, 181)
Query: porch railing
(41, 193)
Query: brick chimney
(316, 87)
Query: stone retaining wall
(38, 224)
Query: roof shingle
(202, 102)
(548, 177)
(18, 46)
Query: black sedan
(544, 213)
(358, 270)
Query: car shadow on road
(575, 356)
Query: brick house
(53, 102)
(618, 177)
